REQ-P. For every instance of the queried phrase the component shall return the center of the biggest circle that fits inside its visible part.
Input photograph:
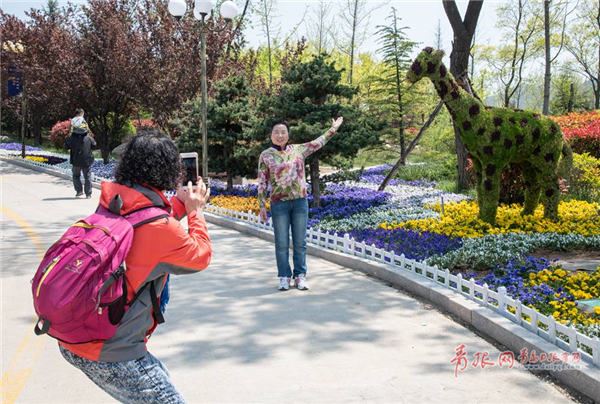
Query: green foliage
(311, 95)
(230, 142)
(585, 178)
(562, 100)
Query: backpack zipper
(46, 272)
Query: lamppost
(202, 9)
(18, 48)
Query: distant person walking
(80, 143)
(281, 170)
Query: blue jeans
(86, 177)
(144, 380)
(292, 213)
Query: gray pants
(143, 380)
(77, 180)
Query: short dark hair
(79, 111)
(284, 123)
(152, 159)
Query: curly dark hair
(150, 159)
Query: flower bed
(582, 130)
(550, 290)
(18, 147)
(461, 220)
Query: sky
(421, 16)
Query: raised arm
(310, 147)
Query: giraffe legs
(532, 191)
(552, 193)
(489, 198)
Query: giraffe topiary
(497, 138)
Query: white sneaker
(301, 283)
(284, 283)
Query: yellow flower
(461, 220)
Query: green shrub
(585, 177)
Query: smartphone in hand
(190, 167)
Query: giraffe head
(427, 64)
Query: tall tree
(266, 11)
(438, 36)
(311, 94)
(568, 92)
(320, 28)
(171, 54)
(230, 114)
(396, 50)
(521, 24)
(113, 67)
(459, 61)
(557, 17)
(353, 30)
(54, 66)
(583, 43)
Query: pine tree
(229, 115)
(311, 95)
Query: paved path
(230, 337)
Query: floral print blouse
(282, 171)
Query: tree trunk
(354, 21)
(36, 125)
(411, 146)
(314, 179)
(229, 181)
(548, 73)
(459, 62)
(571, 98)
(458, 67)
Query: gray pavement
(231, 337)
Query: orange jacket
(159, 248)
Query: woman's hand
(336, 123)
(194, 200)
(263, 215)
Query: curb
(585, 379)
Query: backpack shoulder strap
(146, 215)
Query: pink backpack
(79, 289)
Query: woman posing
(281, 170)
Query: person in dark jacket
(80, 143)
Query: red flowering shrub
(582, 131)
(59, 133)
(143, 123)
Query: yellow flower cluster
(461, 220)
(582, 285)
(36, 159)
(239, 203)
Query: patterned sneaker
(284, 283)
(301, 283)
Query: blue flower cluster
(378, 179)
(343, 201)
(18, 147)
(220, 188)
(514, 277)
(412, 244)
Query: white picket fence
(567, 338)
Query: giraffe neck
(453, 96)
